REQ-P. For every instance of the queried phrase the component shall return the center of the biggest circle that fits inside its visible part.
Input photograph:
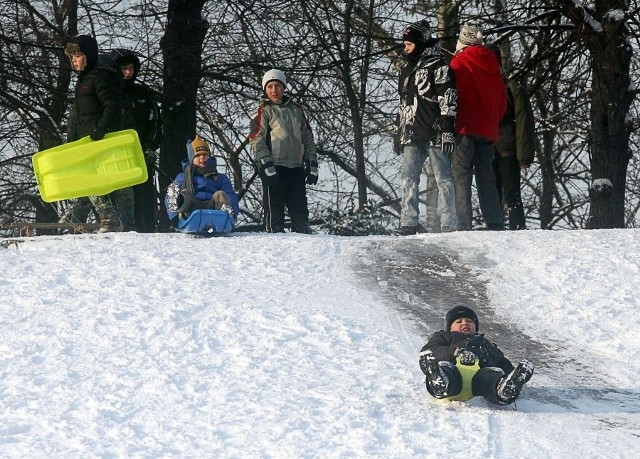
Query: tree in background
(340, 59)
(182, 52)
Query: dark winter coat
(444, 344)
(428, 99)
(97, 96)
(203, 187)
(142, 100)
(517, 127)
(482, 97)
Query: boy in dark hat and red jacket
(497, 380)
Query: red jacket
(482, 97)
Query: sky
(258, 345)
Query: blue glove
(466, 357)
(448, 143)
(97, 134)
(311, 172)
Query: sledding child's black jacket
(444, 344)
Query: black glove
(466, 357)
(271, 174)
(150, 157)
(448, 143)
(185, 202)
(97, 134)
(476, 344)
(311, 172)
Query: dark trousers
(145, 205)
(484, 382)
(507, 171)
(291, 193)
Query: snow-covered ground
(258, 345)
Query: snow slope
(258, 345)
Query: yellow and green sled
(86, 167)
(467, 372)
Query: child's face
(409, 47)
(127, 71)
(464, 325)
(200, 160)
(274, 91)
(78, 61)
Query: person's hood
(479, 57)
(89, 47)
(124, 57)
(423, 52)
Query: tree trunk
(611, 99)
(182, 53)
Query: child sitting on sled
(450, 352)
(200, 185)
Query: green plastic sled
(467, 372)
(86, 167)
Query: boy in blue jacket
(200, 185)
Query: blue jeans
(414, 157)
(475, 153)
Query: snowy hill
(287, 346)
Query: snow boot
(510, 386)
(437, 381)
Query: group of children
(464, 119)
(285, 153)
(281, 139)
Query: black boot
(510, 386)
(437, 381)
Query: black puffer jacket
(143, 101)
(97, 95)
(444, 344)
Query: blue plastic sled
(207, 222)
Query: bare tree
(182, 51)
(604, 30)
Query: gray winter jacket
(281, 133)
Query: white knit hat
(471, 34)
(274, 74)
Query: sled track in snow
(422, 281)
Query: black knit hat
(418, 32)
(458, 312)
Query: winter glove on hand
(475, 344)
(271, 174)
(185, 202)
(448, 143)
(97, 134)
(466, 357)
(311, 172)
(150, 157)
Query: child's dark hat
(418, 32)
(459, 312)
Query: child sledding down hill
(200, 185)
(459, 347)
